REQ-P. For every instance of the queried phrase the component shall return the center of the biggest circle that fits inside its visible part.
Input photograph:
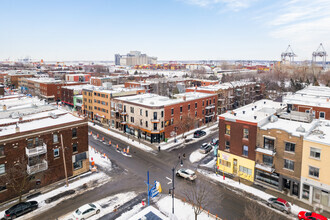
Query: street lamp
(172, 189)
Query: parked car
(279, 204)
(20, 209)
(205, 148)
(186, 173)
(199, 133)
(310, 216)
(215, 142)
(86, 211)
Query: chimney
(17, 128)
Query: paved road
(131, 173)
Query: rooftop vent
(252, 109)
(301, 129)
(4, 107)
(52, 115)
(235, 114)
(255, 117)
(273, 118)
(17, 128)
(243, 112)
(264, 102)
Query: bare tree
(253, 211)
(198, 196)
(185, 124)
(17, 178)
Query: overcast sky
(168, 29)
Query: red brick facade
(304, 108)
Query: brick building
(3, 77)
(68, 93)
(114, 80)
(32, 136)
(77, 77)
(153, 117)
(2, 90)
(313, 99)
(238, 137)
(13, 78)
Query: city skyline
(169, 30)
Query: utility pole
(66, 174)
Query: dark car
(310, 216)
(279, 204)
(199, 133)
(20, 209)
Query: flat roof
(227, 85)
(154, 100)
(255, 112)
(321, 133)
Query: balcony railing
(37, 168)
(31, 152)
(266, 151)
(210, 107)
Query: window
(140, 111)
(214, 100)
(180, 109)
(195, 114)
(314, 172)
(315, 153)
(267, 160)
(162, 114)
(288, 164)
(30, 143)
(141, 122)
(246, 133)
(245, 150)
(189, 107)
(74, 132)
(195, 104)
(180, 118)
(203, 103)
(172, 111)
(162, 124)
(172, 121)
(305, 193)
(290, 147)
(146, 113)
(155, 126)
(132, 109)
(132, 119)
(207, 102)
(146, 124)
(228, 129)
(225, 163)
(322, 115)
(227, 143)
(75, 147)
(124, 108)
(77, 165)
(3, 187)
(55, 138)
(203, 111)
(2, 169)
(2, 151)
(56, 152)
(269, 143)
(245, 170)
(155, 115)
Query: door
(325, 198)
(235, 166)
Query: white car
(186, 173)
(86, 211)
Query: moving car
(205, 148)
(20, 209)
(279, 204)
(186, 173)
(199, 133)
(310, 216)
(214, 142)
(86, 211)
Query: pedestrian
(159, 148)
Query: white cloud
(232, 5)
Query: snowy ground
(197, 156)
(100, 160)
(190, 135)
(122, 137)
(211, 163)
(262, 195)
(108, 205)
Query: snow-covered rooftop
(321, 133)
(295, 128)
(153, 100)
(223, 86)
(256, 112)
(318, 96)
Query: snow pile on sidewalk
(101, 178)
(110, 203)
(100, 159)
(196, 156)
(211, 163)
(265, 196)
(122, 137)
(190, 135)
(182, 211)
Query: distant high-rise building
(134, 58)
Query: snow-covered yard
(111, 203)
(197, 156)
(122, 137)
(262, 195)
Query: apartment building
(134, 58)
(69, 92)
(238, 137)
(231, 95)
(31, 134)
(279, 152)
(97, 101)
(13, 78)
(77, 77)
(154, 118)
(315, 169)
(313, 99)
(114, 80)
